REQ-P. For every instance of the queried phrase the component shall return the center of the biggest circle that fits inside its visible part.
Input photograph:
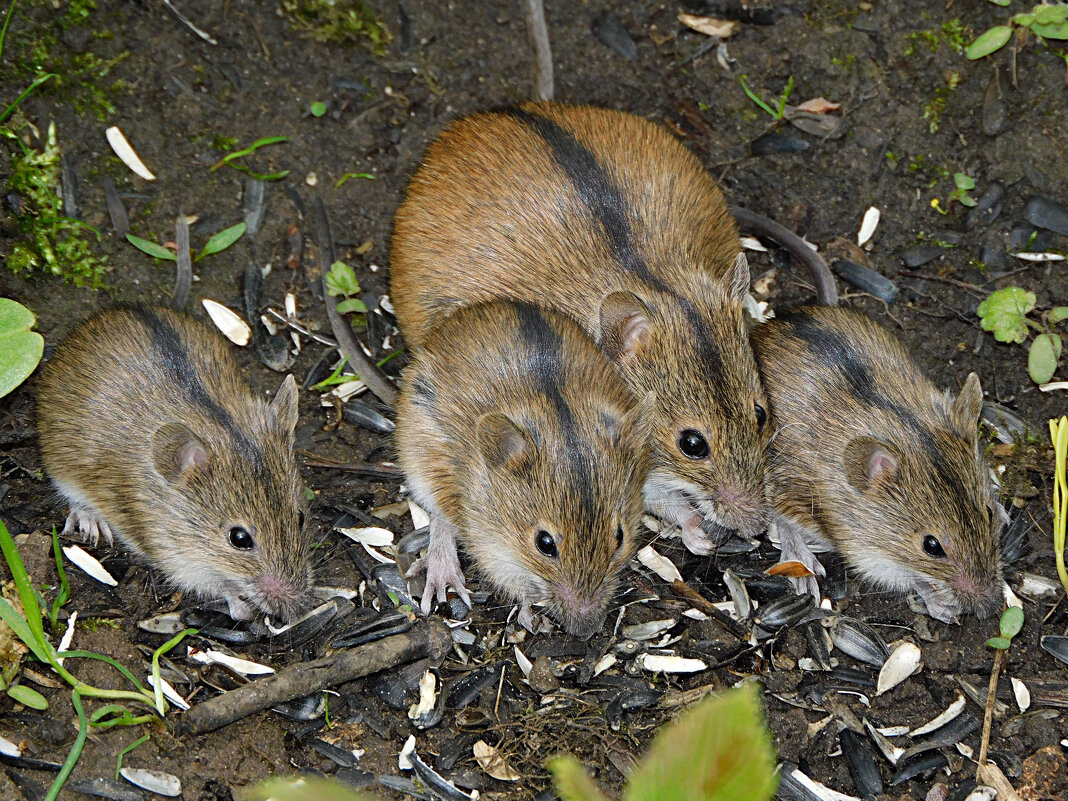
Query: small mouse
(149, 431)
(868, 456)
(606, 217)
(523, 444)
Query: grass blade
(30, 609)
(156, 678)
(151, 248)
(64, 586)
(118, 762)
(222, 240)
(7, 111)
(75, 751)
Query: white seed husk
(942, 719)
(659, 663)
(89, 564)
(903, 662)
(491, 761)
(648, 630)
(9, 749)
(420, 518)
(208, 656)
(369, 535)
(604, 663)
(226, 320)
(1023, 695)
(524, 664)
(169, 692)
(155, 781)
(659, 564)
(428, 697)
(868, 226)
(117, 139)
(167, 623)
(893, 753)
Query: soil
(914, 111)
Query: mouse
(527, 450)
(870, 458)
(605, 217)
(149, 431)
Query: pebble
(1047, 214)
(771, 143)
(995, 109)
(988, 207)
(542, 679)
(994, 254)
(609, 31)
(921, 254)
(1023, 237)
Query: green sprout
(218, 242)
(776, 114)
(1058, 432)
(1046, 21)
(318, 108)
(964, 184)
(1012, 620)
(230, 158)
(341, 282)
(344, 178)
(1005, 313)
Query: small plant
(318, 108)
(1045, 20)
(230, 159)
(341, 282)
(963, 185)
(1005, 313)
(776, 113)
(218, 242)
(20, 348)
(1058, 432)
(339, 21)
(1012, 620)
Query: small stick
(543, 54)
(951, 281)
(826, 289)
(382, 472)
(991, 695)
(300, 329)
(183, 272)
(426, 639)
(374, 378)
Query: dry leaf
(710, 26)
(819, 105)
(790, 570)
(491, 761)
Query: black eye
(693, 444)
(300, 518)
(619, 536)
(762, 417)
(932, 547)
(240, 538)
(546, 544)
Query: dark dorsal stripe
(606, 203)
(541, 348)
(172, 352)
(837, 353)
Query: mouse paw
(533, 622)
(794, 548)
(442, 566)
(85, 525)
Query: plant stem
(75, 751)
(991, 697)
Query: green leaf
(151, 248)
(963, 181)
(352, 305)
(318, 108)
(118, 760)
(1050, 15)
(27, 696)
(304, 788)
(999, 642)
(365, 175)
(222, 240)
(1042, 359)
(1057, 313)
(64, 586)
(1057, 345)
(18, 624)
(572, 781)
(341, 280)
(1002, 3)
(31, 612)
(720, 750)
(965, 200)
(1024, 20)
(1012, 620)
(1058, 30)
(1004, 312)
(994, 39)
(20, 348)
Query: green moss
(351, 21)
(932, 111)
(53, 244)
(953, 32)
(92, 624)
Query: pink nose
(275, 588)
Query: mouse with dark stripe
(525, 447)
(870, 458)
(606, 217)
(150, 433)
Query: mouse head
(925, 516)
(709, 424)
(556, 504)
(237, 529)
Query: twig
(374, 378)
(426, 639)
(183, 271)
(826, 289)
(300, 329)
(543, 54)
(939, 279)
(991, 695)
(382, 472)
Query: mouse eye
(240, 538)
(761, 416)
(932, 547)
(300, 518)
(546, 544)
(692, 444)
(619, 536)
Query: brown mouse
(606, 217)
(524, 446)
(149, 431)
(867, 455)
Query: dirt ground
(914, 111)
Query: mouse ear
(638, 420)
(968, 405)
(503, 443)
(284, 405)
(869, 463)
(624, 329)
(176, 451)
(739, 277)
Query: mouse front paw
(442, 566)
(84, 525)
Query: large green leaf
(1042, 358)
(987, 43)
(720, 750)
(1004, 312)
(20, 348)
(572, 781)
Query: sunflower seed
(126, 153)
(861, 763)
(89, 564)
(1023, 695)
(743, 607)
(868, 226)
(910, 770)
(1056, 646)
(648, 630)
(435, 782)
(785, 611)
(859, 640)
(226, 320)
(167, 623)
(155, 781)
(796, 785)
(103, 787)
(1036, 588)
(902, 663)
